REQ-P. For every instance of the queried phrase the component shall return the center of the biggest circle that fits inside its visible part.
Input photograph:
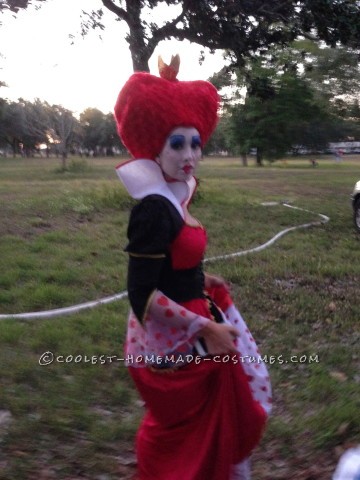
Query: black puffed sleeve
(154, 224)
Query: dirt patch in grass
(305, 464)
(30, 226)
(21, 227)
(267, 464)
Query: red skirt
(201, 419)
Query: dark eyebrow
(196, 139)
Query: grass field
(62, 236)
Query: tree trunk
(13, 146)
(140, 62)
(259, 158)
(63, 159)
(140, 53)
(244, 159)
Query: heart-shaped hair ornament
(169, 72)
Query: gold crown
(169, 72)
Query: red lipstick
(187, 169)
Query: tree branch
(164, 32)
(120, 12)
(275, 10)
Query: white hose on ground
(119, 296)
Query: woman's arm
(172, 319)
(219, 338)
(212, 281)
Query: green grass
(62, 236)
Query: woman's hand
(212, 281)
(219, 338)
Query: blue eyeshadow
(177, 141)
(196, 141)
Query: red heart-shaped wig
(148, 108)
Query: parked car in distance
(355, 198)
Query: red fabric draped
(200, 420)
(220, 297)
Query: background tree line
(292, 99)
(26, 126)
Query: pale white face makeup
(181, 154)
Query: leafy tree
(218, 141)
(16, 5)
(63, 127)
(92, 121)
(240, 27)
(99, 130)
(332, 72)
(111, 137)
(296, 95)
(353, 115)
(334, 76)
(23, 125)
(9, 135)
(278, 113)
(3, 105)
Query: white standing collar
(143, 177)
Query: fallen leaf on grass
(129, 459)
(340, 376)
(343, 428)
(332, 306)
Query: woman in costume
(190, 354)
